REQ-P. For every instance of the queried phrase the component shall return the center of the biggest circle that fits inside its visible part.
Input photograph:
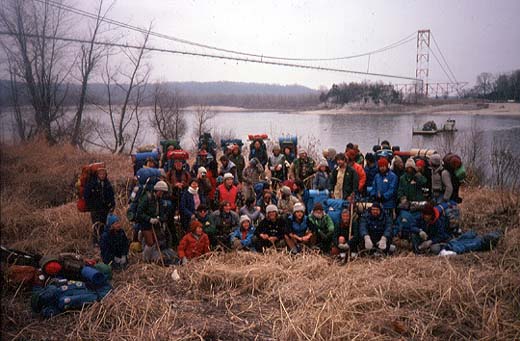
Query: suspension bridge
(419, 84)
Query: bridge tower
(422, 68)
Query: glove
(184, 260)
(382, 243)
(343, 247)
(154, 221)
(423, 235)
(368, 243)
(425, 245)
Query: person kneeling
(376, 228)
(194, 243)
(114, 244)
(242, 237)
(298, 232)
(346, 237)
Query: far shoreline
(493, 109)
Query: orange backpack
(87, 172)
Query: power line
(443, 58)
(209, 55)
(192, 43)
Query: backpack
(316, 196)
(206, 142)
(146, 179)
(453, 163)
(87, 172)
(227, 144)
(333, 208)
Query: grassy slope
(243, 296)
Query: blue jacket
(376, 227)
(187, 207)
(385, 186)
(113, 243)
(248, 241)
(436, 230)
(371, 173)
(298, 229)
(320, 181)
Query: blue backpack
(146, 179)
(315, 196)
(333, 208)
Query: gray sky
(475, 36)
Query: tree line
(501, 87)
(361, 92)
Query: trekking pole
(157, 244)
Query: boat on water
(430, 128)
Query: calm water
(337, 130)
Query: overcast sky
(475, 36)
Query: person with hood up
(114, 244)
(371, 170)
(398, 166)
(298, 231)
(442, 187)
(242, 237)
(321, 177)
(286, 201)
(375, 228)
(258, 152)
(194, 244)
(277, 164)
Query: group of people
(260, 203)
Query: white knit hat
(410, 163)
(244, 218)
(298, 207)
(271, 208)
(228, 176)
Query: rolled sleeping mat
(92, 275)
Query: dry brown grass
(239, 296)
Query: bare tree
(124, 120)
(89, 57)
(203, 116)
(484, 83)
(38, 59)
(168, 115)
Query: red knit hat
(382, 162)
(420, 163)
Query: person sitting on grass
(376, 228)
(429, 231)
(242, 237)
(270, 231)
(114, 244)
(194, 243)
(322, 226)
(346, 239)
(298, 231)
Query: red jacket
(229, 195)
(361, 175)
(191, 247)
